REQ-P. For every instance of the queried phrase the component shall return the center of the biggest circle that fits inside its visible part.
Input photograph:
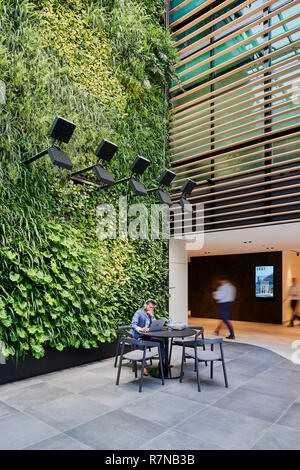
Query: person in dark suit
(140, 324)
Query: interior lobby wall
(205, 272)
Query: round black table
(174, 372)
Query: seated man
(140, 324)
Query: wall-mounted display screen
(264, 282)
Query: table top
(165, 333)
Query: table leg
(173, 373)
(166, 369)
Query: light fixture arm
(35, 157)
(40, 154)
(83, 170)
(122, 180)
(153, 190)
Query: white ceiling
(251, 240)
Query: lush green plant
(59, 285)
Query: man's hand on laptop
(144, 330)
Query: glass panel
(289, 148)
(195, 38)
(193, 96)
(238, 50)
(291, 111)
(183, 11)
(239, 164)
(188, 146)
(197, 71)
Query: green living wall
(104, 65)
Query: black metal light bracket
(105, 151)
(61, 131)
(165, 179)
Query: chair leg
(142, 373)
(202, 335)
(134, 366)
(211, 363)
(133, 347)
(223, 365)
(198, 376)
(171, 348)
(120, 365)
(117, 352)
(182, 361)
(161, 368)
(225, 374)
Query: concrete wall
(290, 268)
(178, 281)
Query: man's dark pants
(294, 303)
(225, 315)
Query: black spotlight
(61, 130)
(186, 190)
(137, 187)
(188, 187)
(60, 158)
(185, 204)
(164, 197)
(166, 178)
(140, 165)
(103, 175)
(106, 150)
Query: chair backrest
(199, 328)
(124, 331)
(123, 328)
(201, 342)
(196, 327)
(142, 344)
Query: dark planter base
(53, 361)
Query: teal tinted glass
(184, 10)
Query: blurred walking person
(294, 296)
(225, 295)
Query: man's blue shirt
(140, 320)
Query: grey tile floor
(82, 408)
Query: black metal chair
(200, 355)
(181, 341)
(123, 331)
(142, 353)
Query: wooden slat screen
(235, 105)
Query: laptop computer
(157, 325)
